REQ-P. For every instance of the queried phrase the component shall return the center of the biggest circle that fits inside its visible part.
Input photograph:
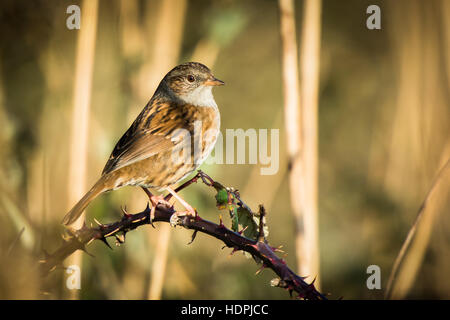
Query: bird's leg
(155, 200)
(189, 210)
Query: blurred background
(66, 97)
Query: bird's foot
(155, 201)
(189, 210)
(175, 219)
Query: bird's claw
(155, 201)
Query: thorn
(278, 249)
(193, 237)
(196, 216)
(84, 249)
(101, 225)
(263, 266)
(302, 278)
(233, 251)
(262, 214)
(148, 210)
(151, 215)
(312, 283)
(125, 212)
(242, 231)
(103, 239)
(221, 225)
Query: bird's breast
(206, 130)
(210, 137)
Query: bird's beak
(214, 82)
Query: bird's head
(192, 83)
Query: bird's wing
(151, 133)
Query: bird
(170, 138)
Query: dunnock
(148, 154)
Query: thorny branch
(259, 249)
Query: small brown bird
(171, 137)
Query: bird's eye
(190, 78)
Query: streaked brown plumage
(181, 115)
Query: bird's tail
(78, 209)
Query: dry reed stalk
(80, 115)
(445, 17)
(406, 141)
(301, 128)
(417, 138)
(134, 49)
(292, 114)
(409, 259)
(131, 35)
(160, 263)
(166, 45)
(309, 88)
